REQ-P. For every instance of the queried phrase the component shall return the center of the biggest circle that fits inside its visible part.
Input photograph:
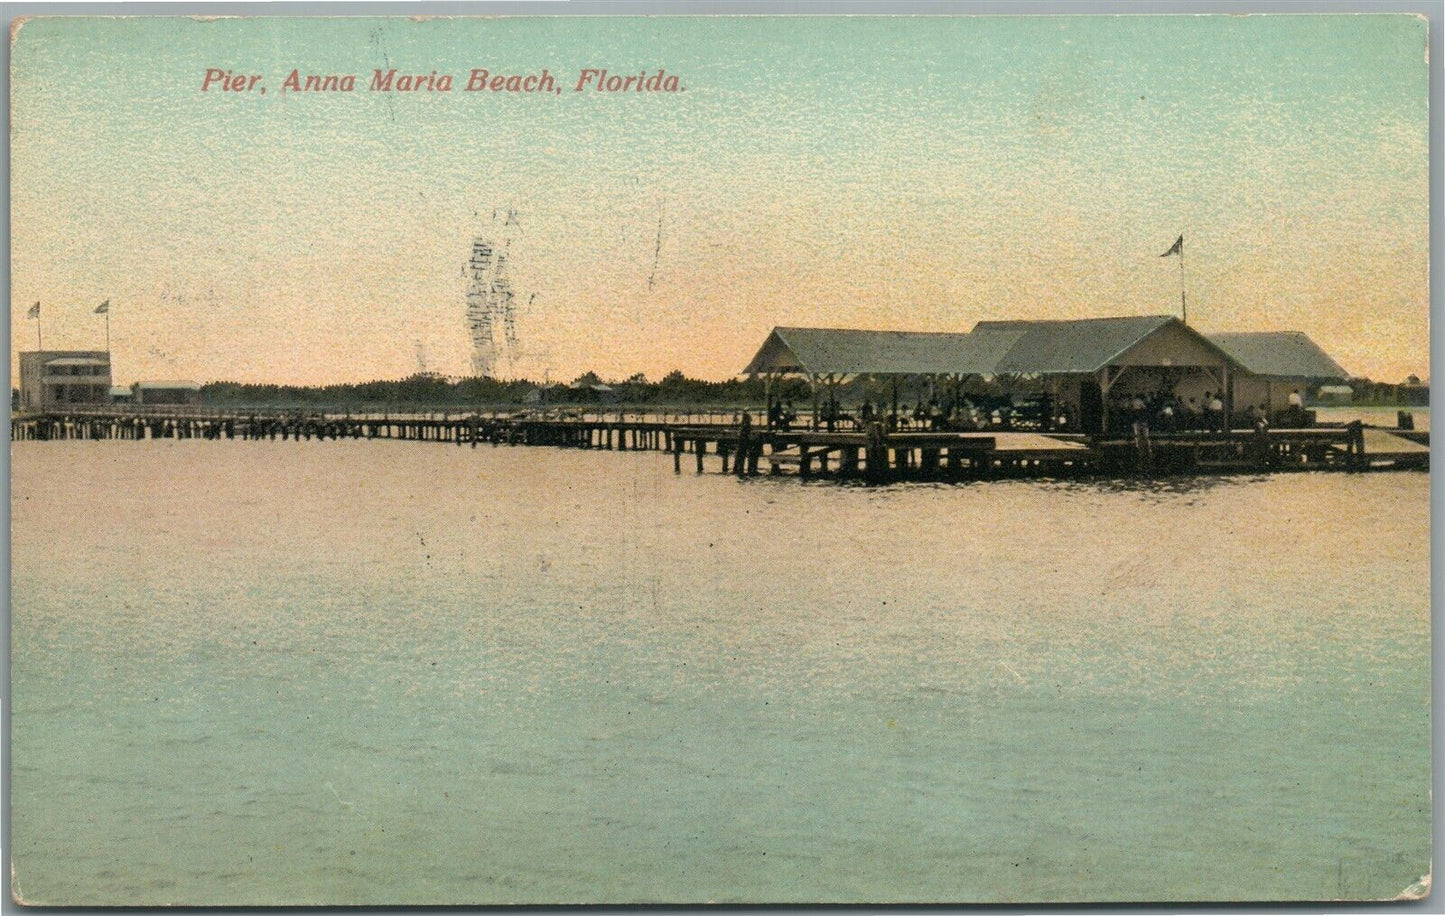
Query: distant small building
(167, 392)
(1336, 394)
(1413, 392)
(53, 378)
(594, 391)
(120, 394)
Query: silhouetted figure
(830, 414)
(1168, 421)
(745, 444)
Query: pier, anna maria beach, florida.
(722, 460)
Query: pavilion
(1083, 364)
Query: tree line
(427, 389)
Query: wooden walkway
(1381, 444)
(744, 449)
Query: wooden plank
(1379, 444)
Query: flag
(1176, 248)
(103, 307)
(34, 311)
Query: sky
(910, 173)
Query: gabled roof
(1283, 354)
(1079, 346)
(46, 355)
(824, 351)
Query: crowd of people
(961, 414)
(1159, 411)
(1167, 412)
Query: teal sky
(912, 173)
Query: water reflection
(1157, 489)
(1148, 488)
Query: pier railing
(582, 413)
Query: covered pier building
(1087, 368)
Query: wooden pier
(747, 448)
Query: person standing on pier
(1167, 418)
(1137, 413)
(830, 414)
(1263, 454)
(1296, 416)
(1062, 423)
(968, 419)
(745, 445)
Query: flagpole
(107, 334)
(39, 342)
(1183, 302)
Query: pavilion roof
(838, 351)
(1283, 354)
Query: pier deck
(872, 454)
(1381, 444)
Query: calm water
(405, 672)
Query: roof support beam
(1105, 383)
